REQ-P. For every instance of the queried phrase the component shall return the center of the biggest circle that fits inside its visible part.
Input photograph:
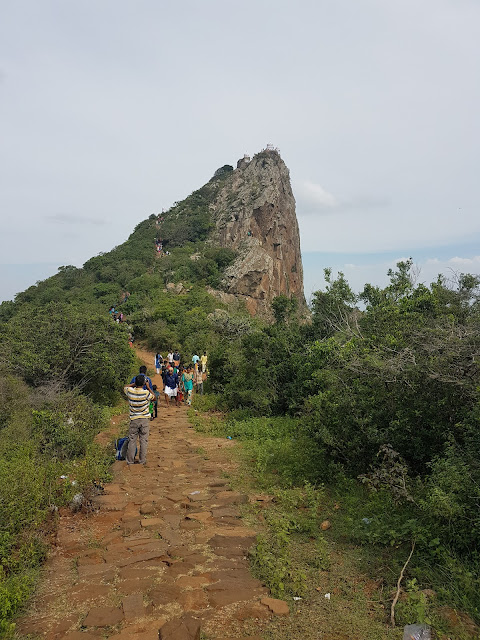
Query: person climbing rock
(139, 399)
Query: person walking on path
(187, 382)
(170, 357)
(156, 393)
(198, 382)
(139, 400)
(170, 383)
(195, 360)
(203, 360)
(176, 358)
(158, 362)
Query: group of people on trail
(143, 396)
(116, 315)
(179, 381)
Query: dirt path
(164, 555)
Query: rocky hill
(254, 214)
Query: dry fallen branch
(400, 578)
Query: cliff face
(254, 214)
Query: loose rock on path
(164, 556)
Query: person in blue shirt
(195, 360)
(170, 382)
(148, 382)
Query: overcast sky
(112, 110)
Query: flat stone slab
(224, 498)
(152, 522)
(147, 508)
(134, 585)
(164, 594)
(190, 525)
(192, 582)
(85, 592)
(224, 598)
(186, 628)
(201, 516)
(201, 496)
(105, 570)
(228, 583)
(133, 607)
(175, 497)
(140, 557)
(141, 631)
(193, 600)
(231, 542)
(103, 617)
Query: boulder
(277, 607)
(103, 617)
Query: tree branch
(400, 578)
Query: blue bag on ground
(121, 446)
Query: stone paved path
(164, 555)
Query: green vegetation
(63, 363)
(375, 410)
(381, 407)
(46, 458)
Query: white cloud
(466, 262)
(314, 195)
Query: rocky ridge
(254, 214)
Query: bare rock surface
(254, 214)
(151, 562)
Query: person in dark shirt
(170, 382)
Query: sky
(113, 110)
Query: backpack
(121, 446)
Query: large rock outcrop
(254, 214)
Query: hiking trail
(163, 556)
